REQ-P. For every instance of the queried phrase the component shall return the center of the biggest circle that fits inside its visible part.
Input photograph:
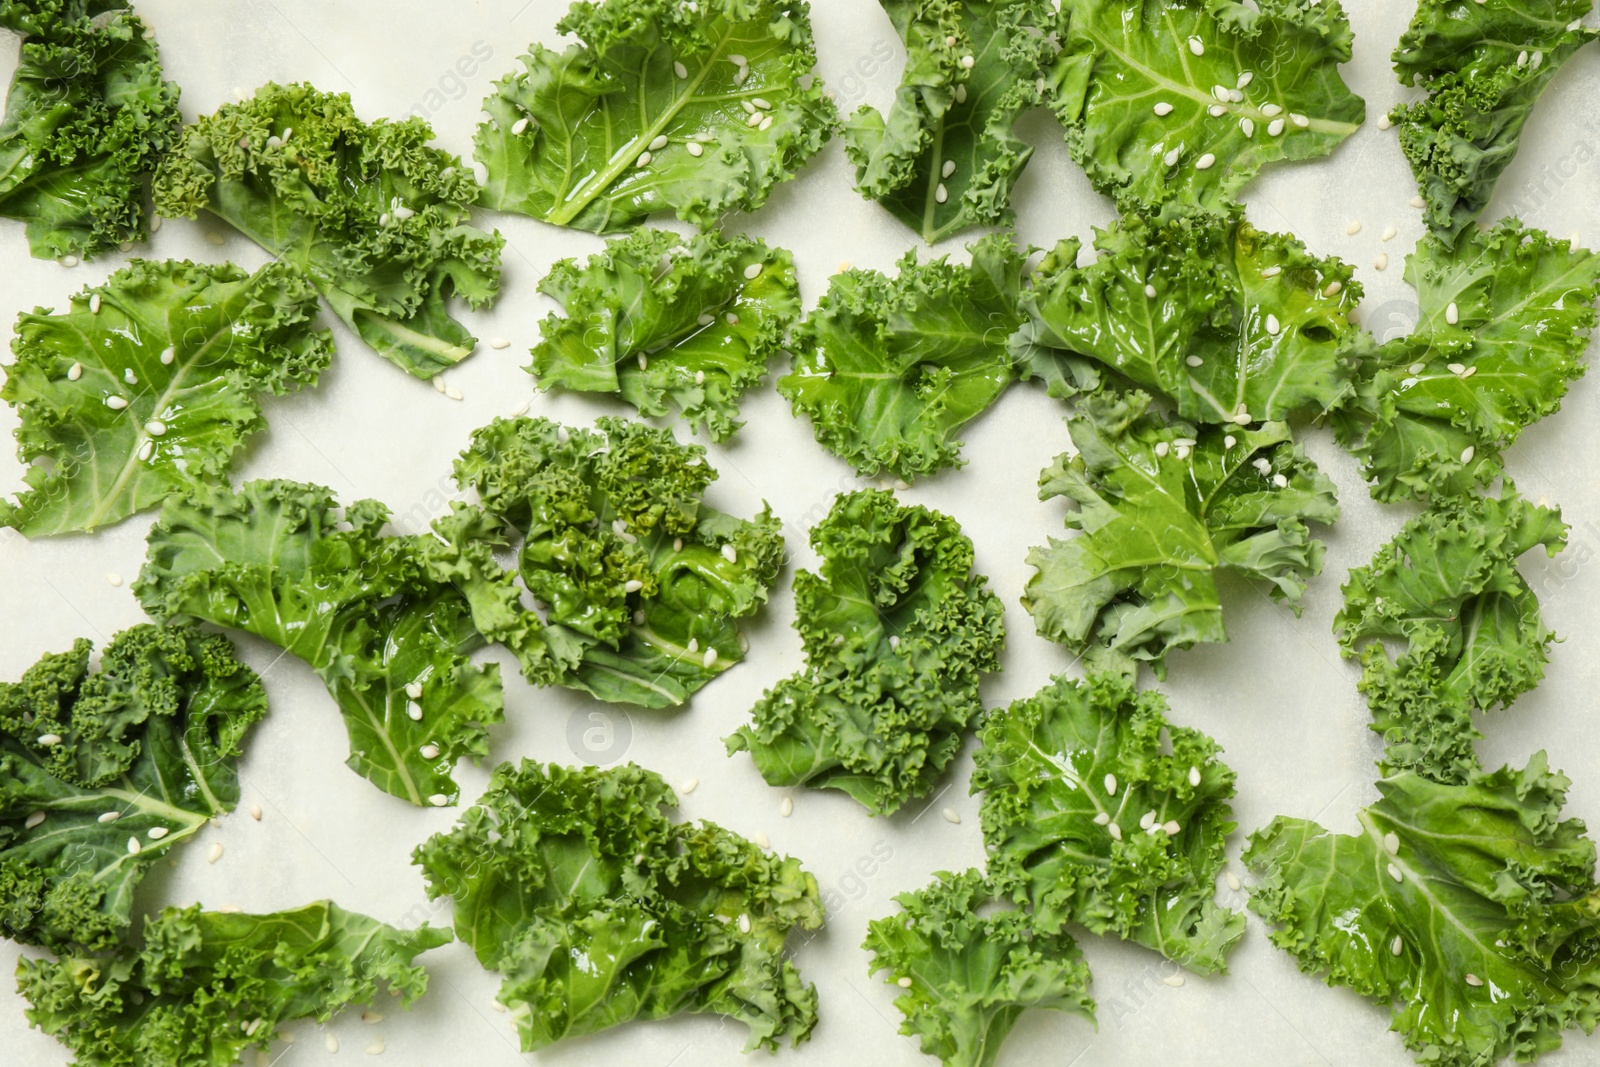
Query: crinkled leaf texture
(1466, 909)
(1090, 818)
(672, 326)
(1204, 309)
(949, 116)
(1483, 66)
(1183, 101)
(973, 970)
(378, 220)
(898, 633)
(1163, 506)
(890, 369)
(87, 117)
(182, 350)
(1438, 407)
(149, 742)
(598, 136)
(389, 640)
(596, 908)
(1447, 585)
(638, 586)
(207, 986)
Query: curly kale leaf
(638, 586)
(374, 217)
(1447, 585)
(148, 385)
(1183, 101)
(389, 641)
(1506, 316)
(700, 110)
(87, 118)
(898, 632)
(1483, 66)
(207, 986)
(103, 773)
(1163, 506)
(972, 971)
(890, 369)
(1467, 909)
(596, 908)
(1098, 811)
(670, 325)
(947, 156)
(1204, 309)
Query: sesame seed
(689, 786)
(255, 812)
(110, 816)
(1216, 111)
(1352, 229)
(1333, 288)
(414, 711)
(1102, 819)
(230, 909)
(1416, 368)
(34, 820)
(134, 848)
(749, 108)
(679, 69)
(1391, 842)
(438, 800)
(216, 852)
(699, 377)
(212, 237)
(1233, 881)
(116, 403)
(730, 553)
(1382, 262)
(1172, 157)
(452, 392)
(950, 41)
(130, 377)
(961, 94)
(1467, 454)
(754, 119)
(894, 641)
(429, 751)
(903, 982)
(677, 542)
(1280, 481)
(480, 173)
(1394, 872)
(737, 60)
(765, 124)
(968, 62)
(752, 272)
(1273, 325)
(1162, 109)
(1161, 449)
(49, 740)
(1396, 946)
(1474, 980)
(1114, 830)
(1274, 127)
(331, 1044)
(1173, 980)
(69, 261)
(414, 690)
(1220, 92)
(519, 126)
(1262, 464)
(371, 1018)
(1417, 201)
(1272, 272)
(1469, 372)
(1229, 441)
(731, 319)
(1147, 820)
(1150, 291)
(94, 303)
(744, 923)
(695, 148)
(376, 1048)
(1452, 313)
(157, 833)
(1194, 777)
(1242, 419)
(1111, 785)
(1248, 127)
(499, 343)
(941, 194)
(786, 807)
(632, 585)
(644, 159)
(741, 75)
(1235, 96)
(1271, 109)
(1390, 233)
(1299, 120)
(155, 224)
(1205, 162)
(659, 143)
(75, 372)
(1455, 368)
(644, 361)
(168, 354)
(1245, 78)
(764, 105)
(709, 660)
(1522, 58)
(1197, 46)
(951, 815)
(1384, 122)
(155, 428)
(948, 169)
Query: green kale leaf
(1183, 101)
(638, 587)
(890, 369)
(596, 908)
(207, 986)
(103, 773)
(1447, 585)
(1163, 506)
(1097, 811)
(390, 642)
(700, 110)
(670, 325)
(1466, 909)
(378, 220)
(898, 633)
(947, 155)
(87, 118)
(1203, 309)
(147, 386)
(1483, 66)
(972, 970)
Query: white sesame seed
(1205, 162)
(743, 73)
(1333, 288)
(754, 119)
(644, 159)
(110, 816)
(1220, 92)
(1396, 946)
(130, 377)
(1271, 109)
(1102, 819)
(1467, 454)
(452, 392)
(1172, 157)
(659, 143)
(125, 246)
(134, 848)
(709, 660)
(1456, 368)
(331, 1043)
(116, 403)
(1416, 368)
(1391, 842)
(679, 69)
(764, 105)
(948, 169)
(371, 1018)
(749, 108)
(1452, 313)
(157, 833)
(1474, 980)
(414, 690)
(230, 909)
(695, 148)
(689, 786)
(950, 41)
(1216, 111)
(414, 711)
(786, 807)
(1280, 481)
(429, 751)
(69, 261)
(168, 354)
(1150, 291)
(1233, 881)
(1242, 419)
(75, 372)
(731, 319)
(730, 553)
(1161, 449)
(1262, 464)
(1111, 785)
(951, 815)
(1389, 233)
(255, 812)
(1172, 828)
(1173, 980)
(480, 173)
(941, 194)
(1407, 383)
(1273, 325)
(519, 126)
(94, 303)
(765, 124)
(1229, 441)
(499, 343)
(376, 1048)
(1352, 229)
(968, 62)
(632, 585)
(1197, 46)
(677, 542)
(903, 982)
(1522, 58)
(1274, 127)
(216, 852)
(744, 923)
(699, 377)
(34, 820)
(1299, 120)
(644, 361)
(1248, 127)
(1147, 820)
(50, 741)
(1384, 122)
(1194, 776)
(1272, 272)
(438, 800)
(1114, 830)
(1162, 109)
(894, 641)
(1394, 872)
(961, 94)
(1382, 262)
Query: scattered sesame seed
(1197, 46)
(1248, 127)
(695, 148)
(116, 403)
(1173, 980)
(94, 303)
(679, 69)
(1220, 92)
(1161, 449)
(730, 553)
(1389, 233)
(438, 800)
(1271, 109)
(452, 392)
(110, 816)
(1205, 162)
(1383, 122)
(1194, 777)
(499, 342)
(1452, 313)
(1242, 419)
(497, 1006)
(376, 1048)
(1194, 361)
(429, 751)
(644, 361)
(1147, 820)
(1272, 272)
(1394, 872)
(1299, 120)
(168, 354)
(1162, 109)
(414, 690)
(1396, 946)
(1216, 111)
(1235, 96)
(1273, 325)
(968, 62)
(765, 124)
(903, 982)
(216, 852)
(894, 641)
(1456, 368)
(480, 173)
(1229, 441)
(155, 428)
(215, 238)
(1274, 127)
(632, 585)
(1111, 785)
(749, 108)
(1150, 291)
(677, 542)
(1417, 201)
(744, 923)
(134, 848)
(737, 60)
(786, 807)
(1114, 830)
(1474, 980)
(519, 126)
(659, 143)
(155, 224)
(157, 833)
(1467, 454)
(1172, 828)
(941, 194)
(1232, 880)
(754, 118)
(1382, 262)
(371, 1018)
(130, 377)
(1172, 157)
(948, 169)
(709, 660)
(69, 261)
(34, 820)
(1102, 819)
(1352, 229)
(50, 741)
(731, 319)
(1416, 368)
(331, 1044)
(255, 812)
(689, 786)
(1245, 78)
(1522, 58)
(75, 372)
(1333, 288)
(951, 815)
(1280, 481)
(414, 711)
(644, 159)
